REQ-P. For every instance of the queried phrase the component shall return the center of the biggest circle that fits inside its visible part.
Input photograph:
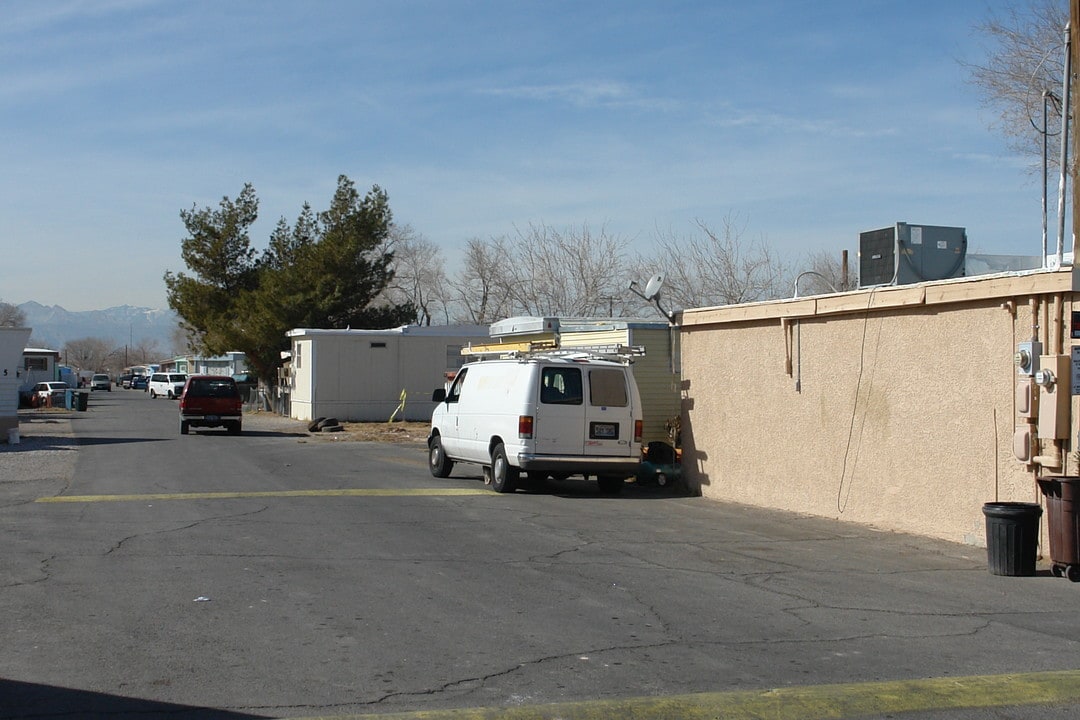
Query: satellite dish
(652, 288)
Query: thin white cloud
(582, 94)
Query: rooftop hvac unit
(904, 254)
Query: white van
(168, 384)
(546, 415)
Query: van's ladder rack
(549, 348)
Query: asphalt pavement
(284, 575)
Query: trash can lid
(1012, 509)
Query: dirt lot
(397, 432)
(379, 432)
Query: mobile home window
(607, 388)
(37, 363)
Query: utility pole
(1074, 51)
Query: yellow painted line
(813, 702)
(373, 492)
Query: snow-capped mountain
(121, 326)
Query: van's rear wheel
(504, 476)
(438, 463)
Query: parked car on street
(50, 392)
(211, 401)
(168, 384)
(140, 382)
(124, 380)
(100, 381)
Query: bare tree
(419, 277)
(145, 352)
(89, 353)
(713, 267)
(543, 271)
(11, 315)
(480, 292)
(825, 273)
(182, 341)
(575, 272)
(1024, 62)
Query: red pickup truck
(210, 401)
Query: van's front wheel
(438, 463)
(504, 476)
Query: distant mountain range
(123, 326)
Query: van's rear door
(609, 412)
(584, 409)
(560, 412)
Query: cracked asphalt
(278, 575)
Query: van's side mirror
(439, 395)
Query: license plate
(212, 418)
(605, 431)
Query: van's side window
(560, 386)
(607, 388)
(455, 389)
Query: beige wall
(903, 416)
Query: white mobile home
(367, 375)
(12, 342)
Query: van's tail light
(525, 426)
(637, 431)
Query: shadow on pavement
(588, 489)
(217, 432)
(26, 700)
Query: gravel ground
(46, 451)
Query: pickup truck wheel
(503, 475)
(234, 428)
(610, 484)
(438, 463)
(183, 427)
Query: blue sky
(808, 120)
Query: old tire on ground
(438, 463)
(610, 484)
(313, 426)
(503, 476)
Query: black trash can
(81, 400)
(1012, 537)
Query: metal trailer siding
(655, 373)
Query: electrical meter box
(906, 253)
